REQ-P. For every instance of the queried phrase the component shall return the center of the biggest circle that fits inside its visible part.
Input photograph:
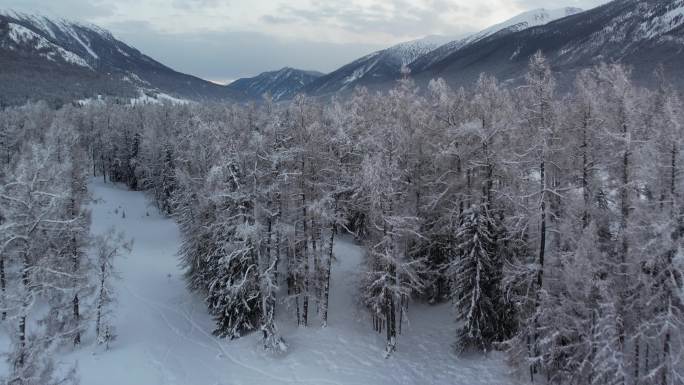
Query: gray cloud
(272, 19)
(194, 4)
(397, 17)
(584, 4)
(73, 9)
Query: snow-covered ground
(164, 332)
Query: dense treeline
(51, 289)
(553, 223)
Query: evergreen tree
(475, 272)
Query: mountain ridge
(60, 60)
(641, 34)
(381, 67)
(376, 67)
(35, 50)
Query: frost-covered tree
(233, 254)
(42, 231)
(391, 275)
(108, 247)
(476, 272)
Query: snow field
(164, 332)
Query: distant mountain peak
(280, 84)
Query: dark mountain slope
(642, 34)
(281, 85)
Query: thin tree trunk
(100, 302)
(317, 265)
(77, 320)
(3, 286)
(22, 338)
(585, 174)
(305, 256)
(540, 272)
(666, 358)
(673, 178)
(328, 270)
(104, 169)
(647, 365)
(624, 210)
(391, 325)
(637, 360)
(76, 301)
(542, 238)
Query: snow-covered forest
(550, 222)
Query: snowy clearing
(164, 332)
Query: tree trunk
(100, 302)
(666, 358)
(542, 238)
(278, 240)
(328, 270)
(585, 174)
(673, 178)
(540, 272)
(305, 257)
(647, 365)
(391, 324)
(637, 360)
(624, 210)
(3, 286)
(317, 264)
(76, 267)
(104, 169)
(77, 320)
(22, 338)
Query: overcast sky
(221, 40)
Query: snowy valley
(164, 331)
(505, 208)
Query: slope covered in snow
(164, 332)
(520, 22)
(407, 52)
(524, 20)
(20, 36)
(383, 67)
(643, 34)
(377, 67)
(61, 60)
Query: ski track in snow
(164, 332)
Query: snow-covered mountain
(377, 67)
(520, 22)
(525, 20)
(384, 66)
(640, 33)
(282, 84)
(59, 60)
